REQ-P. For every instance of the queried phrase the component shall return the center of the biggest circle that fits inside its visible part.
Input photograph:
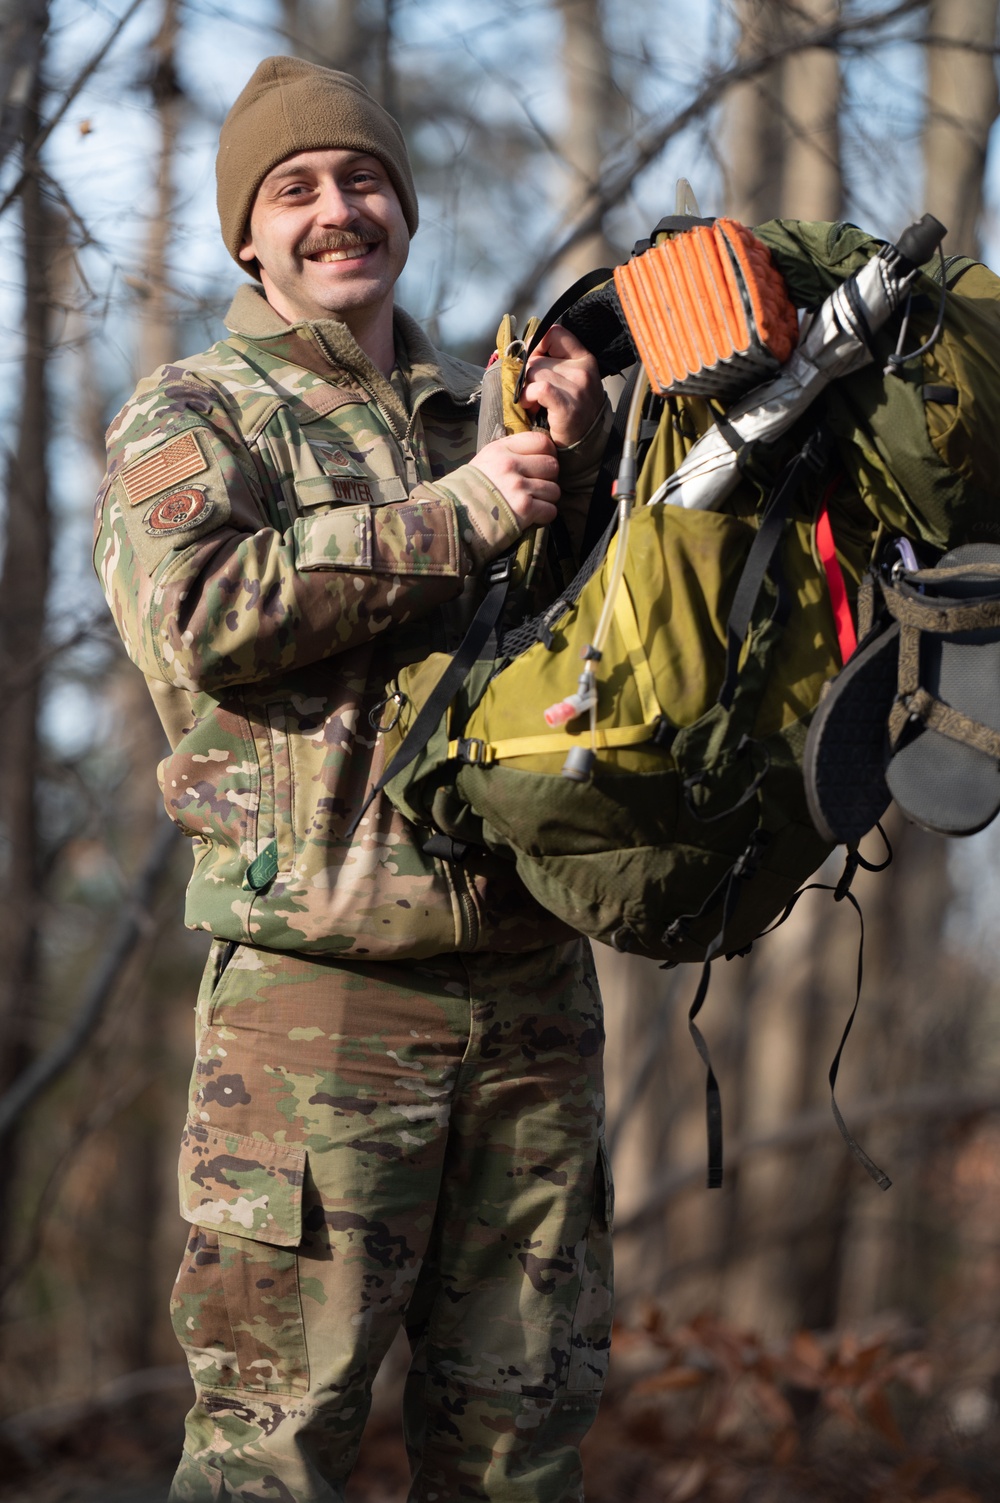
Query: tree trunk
(337, 34)
(23, 24)
(961, 107)
(754, 136)
(143, 1175)
(590, 100)
(24, 582)
(812, 187)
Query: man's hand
(525, 471)
(564, 379)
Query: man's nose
(334, 206)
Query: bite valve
(573, 705)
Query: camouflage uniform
(396, 1111)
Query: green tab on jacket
(263, 869)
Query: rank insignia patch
(178, 511)
(168, 466)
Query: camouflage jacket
(276, 536)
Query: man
(396, 1108)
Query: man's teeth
(341, 255)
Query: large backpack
(693, 833)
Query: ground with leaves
(695, 1413)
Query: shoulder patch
(177, 511)
(167, 466)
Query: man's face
(328, 234)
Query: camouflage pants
(376, 1144)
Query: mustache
(342, 240)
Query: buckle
(500, 569)
(471, 750)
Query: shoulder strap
(456, 671)
(562, 305)
(760, 557)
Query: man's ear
(246, 251)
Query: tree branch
(928, 1101)
(586, 218)
(33, 148)
(132, 924)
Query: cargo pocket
(590, 1344)
(236, 1308)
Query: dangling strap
(841, 891)
(878, 1175)
(455, 673)
(743, 868)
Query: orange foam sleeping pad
(708, 309)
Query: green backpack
(693, 833)
(690, 833)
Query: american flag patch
(174, 462)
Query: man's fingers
(531, 441)
(560, 343)
(525, 470)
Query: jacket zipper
(468, 911)
(402, 439)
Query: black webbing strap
(759, 559)
(840, 892)
(878, 1175)
(744, 868)
(741, 869)
(457, 670)
(562, 305)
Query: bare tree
(812, 182)
(591, 97)
(348, 35)
(754, 134)
(23, 24)
(962, 105)
(24, 583)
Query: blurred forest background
(797, 1335)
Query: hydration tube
(579, 764)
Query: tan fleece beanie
(289, 106)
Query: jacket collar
(328, 349)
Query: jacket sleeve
(207, 591)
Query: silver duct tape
(831, 345)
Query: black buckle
(500, 569)
(446, 848)
(747, 864)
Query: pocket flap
(245, 1186)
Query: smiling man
(396, 1109)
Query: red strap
(847, 637)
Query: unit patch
(335, 459)
(169, 465)
(177, 511)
